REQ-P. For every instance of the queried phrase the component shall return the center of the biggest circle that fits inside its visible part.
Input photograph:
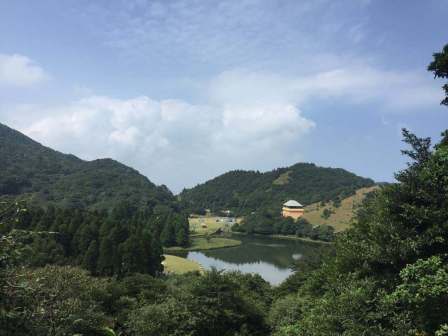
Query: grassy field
(212, 224)
(178, 265)
(201, 243)
(342, 215)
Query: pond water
(272, 258)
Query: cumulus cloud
(172, 141)
(19, 70)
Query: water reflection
(269, 257)
(268, 271)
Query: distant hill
(246, 191)
(47, 176)
(340, 214)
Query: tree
(439, 66)
(106, 257)
(422, 295)
(91, 257)
(167, 236)
(132, 254)
(181, 236)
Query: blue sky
(186, 90)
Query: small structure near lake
(292, 209)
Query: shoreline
(226, 243)
(286, 237)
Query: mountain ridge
(47, 176)
(245, 191)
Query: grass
(342, 216)
(201, 243)
(282, 179)
(178, 265)
(212, 222)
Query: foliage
(123, 241)
(244, 192)
(53, 301)
(326, 213)
(213, 304)
(439, 66)
(271, 223)
(50, 177)
(422, 294)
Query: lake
(272, 258)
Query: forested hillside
(246, 191)
(99, 214)
(46, 176)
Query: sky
(184, 91)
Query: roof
(292, 203)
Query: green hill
(47, 176)
(246, 191)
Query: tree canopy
(439, 66)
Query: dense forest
(244, 192)
(46, 176)
(91, 213)
(126, 240)
(387, 275)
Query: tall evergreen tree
(90, 259)
(106, 257)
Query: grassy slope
(178, 265)
(343, 215)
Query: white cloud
(172, 141)
(356, 84)
(19, 70)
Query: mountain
(46, 176)
(246, 191)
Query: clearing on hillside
(341, 216)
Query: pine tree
(132, 256)
(181, 236)
(91, 257)
(167, 236)
(105, 264)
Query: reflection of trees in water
(278, 252)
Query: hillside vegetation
(47, 176)
(339, 215)
(101, 215)
(244, 192)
